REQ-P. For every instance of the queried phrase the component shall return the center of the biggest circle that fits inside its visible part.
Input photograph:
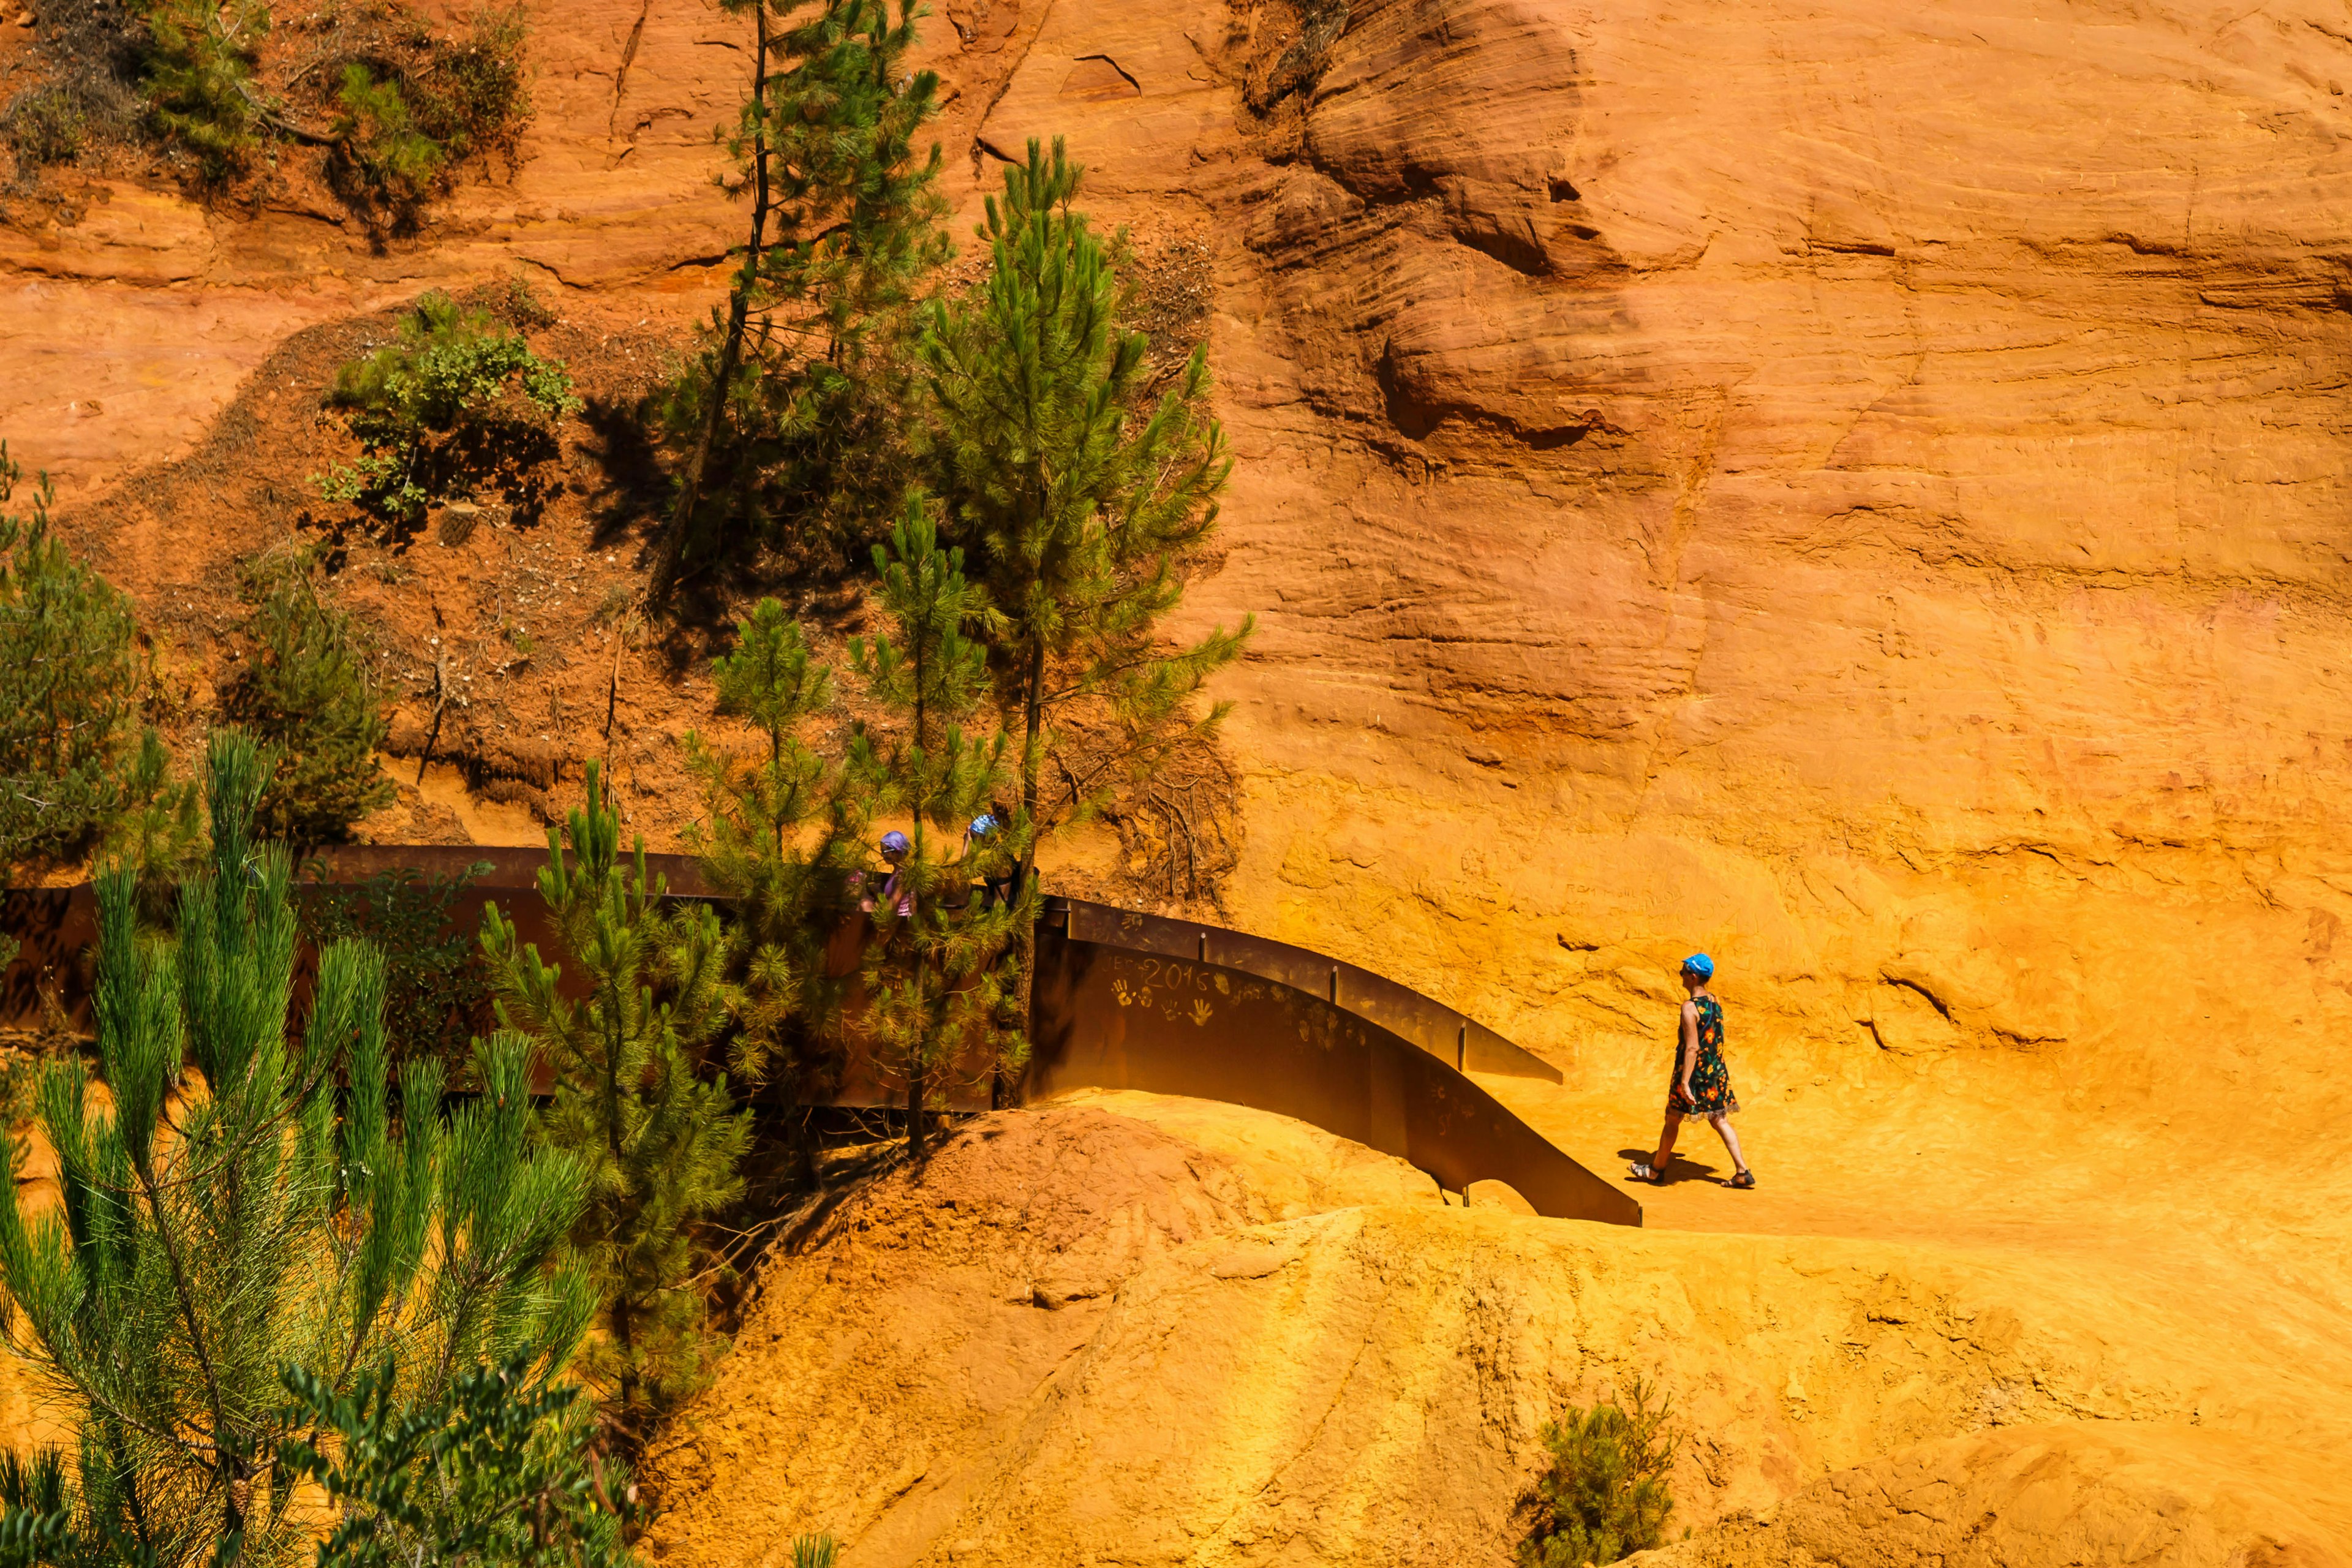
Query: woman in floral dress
(1702, 1084)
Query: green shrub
(48, 125)
(519, 304)
(71, 683)
(409, 106)
(199, 79)
(385, 162)
(496, 1469)
(436, 991)
(1605, 1493)
(458, 401)
(473, 96)
(305, 692)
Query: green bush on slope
(1605, 1495)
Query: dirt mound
(1294, 1168)
(1014, 1192)
(1070, 1340)
(892, 1347)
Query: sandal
(1745, 1180)
(1656, 1178)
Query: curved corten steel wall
(1448, 1036)
(56, 926)
(1114, 1008)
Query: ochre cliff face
(1853, 492)
(1852, 487)
(1857, 492)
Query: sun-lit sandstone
(1856, 489)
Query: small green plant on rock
(472, 95)
(457, 402)
(49, 124)
(383, 162)
(1605, 1494)
(305, 691)
(410, 106)
(199, 80)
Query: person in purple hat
(899, 887)
(1702, 1083)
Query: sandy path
(2257, 1253)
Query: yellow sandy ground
(1125, 1329)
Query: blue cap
(894, 844)
(1700, 964)
(983, 825)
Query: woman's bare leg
(1667, 1142)
(1730, 1141)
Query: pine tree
(756, 848)
(936, 975)
(1606, 1493)
(199, 79)
(75, 763)
(156, 828)
(493, 1470)
(187, 1263)
(1080, 506)
(304, 690)
(661, 1144)
(798, 411)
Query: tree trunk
(730, 352)
(1033, 729)
(915, 1128)
(624, 1336)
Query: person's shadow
(1678, 1166)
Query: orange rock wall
(1855, 488)
(1852, 489)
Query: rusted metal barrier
(57, 926)
(1121, 1003)
(1445, 1032)
(1122, 1000)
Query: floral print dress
(1710, 1081)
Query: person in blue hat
(1702, 1083)
(980, 845)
